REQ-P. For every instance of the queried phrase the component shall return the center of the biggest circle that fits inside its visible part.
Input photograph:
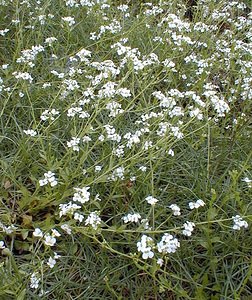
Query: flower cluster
(28, 56)
(48, 239)
(49, 178)
(145, 246)
(248, 181)
(118, 173)
(69, 20)
(188, 228)
(68, 208)
(151, 200)
(34, 280)
(196, 204)
(49, 114)
(30, 132)
(133, 218)
(8, 229)
(175, 209)
(239, 222)
(93, 219)
(52, 260)
(23, 75)
(82, 195)
(168, 244)
(74, 144)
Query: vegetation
(125, 149)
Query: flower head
(151, 200)
(49, 240)
(239, 222)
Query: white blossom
(168, 244)
(196, 204)
(151, 200)
(93, 219)
(49, 240)
(51, 262)
(2, 246)
(134, 218)
(145, 247)
(82, 195)
(66, 228)
(175, 209)
(38, 232)
(34, 280)
(239, 222)
(49, 178)
(30, 132)
(188, 228)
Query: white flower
(145, 246)
(191, 205)
(118, 173)
(82, 195)
(131, 218)
(68, 209)
(151, 200)
(9, 229)
(171, 152)
(119, 151)
(56, 255)
(34, 281)
(66, 228)
(97, 197)
(160, 262)
(93, 219)
(248, 181)
(196, 204)
(143, 168)
(98, 168)
(49, 240)
(49, 114)
(37, 232)
(50, 40)
(74, 144)
(176, 210)
(83, 54)
(51, 262)
(78, 217)
(168, 244)
(147, 253)
(2, 246)
(188, 228)
(48, 178)
(101, 138)
(114, 108)
(24, 76)
(30, 132)
(239, 223)
(86, 139)
(69, 20)
(55, 233)
(199, 203)
(4, 31)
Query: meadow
(125, 149)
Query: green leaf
(21, 296)
(212, 213)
